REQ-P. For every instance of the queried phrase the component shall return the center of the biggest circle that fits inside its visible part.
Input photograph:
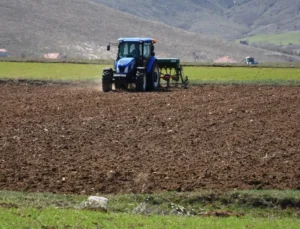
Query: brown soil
(71, 139)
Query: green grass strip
(66, 218)
(277, 39)
(243, 75)
(50, 71)
(199, 74)
(46, 210)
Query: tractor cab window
(147, 50)
(123, 50)
(134, 50)
(127, 49)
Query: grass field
(61, 218)
(165, 210)
(50, 71)
(196, 74)
(276, 39)
(243, 75)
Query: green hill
(276, 39)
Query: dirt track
(66, 139)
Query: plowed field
(76, 139)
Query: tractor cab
(135, 49)
(139, 50)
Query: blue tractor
(135, 66)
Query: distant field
(197, 74)
(276, 39)
(243, 75)
(50, 71)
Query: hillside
(83, 29)
(204, 17)
(225, 19)
(268, 16)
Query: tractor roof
(136, 39)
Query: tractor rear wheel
(153, 79)
(107, 78)
(141, 80)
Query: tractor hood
(125, 65)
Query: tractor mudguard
(150, 64)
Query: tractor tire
(153, 78)
(107, 78)
(140, 80)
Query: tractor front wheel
(107, 78)
(141, 80)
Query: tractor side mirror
(108, 48)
